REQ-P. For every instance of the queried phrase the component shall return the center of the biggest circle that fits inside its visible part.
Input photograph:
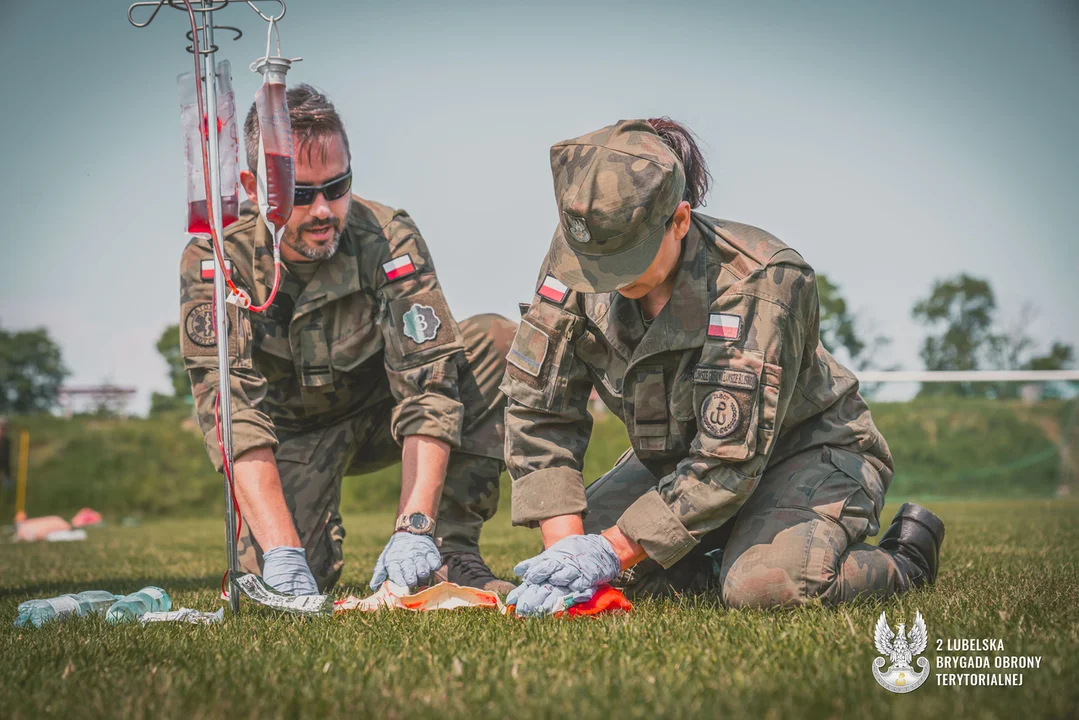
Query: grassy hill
(158, 467)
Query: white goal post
(941, 376)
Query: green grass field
(1009, 572)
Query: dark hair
(684, 143)
(313, 117)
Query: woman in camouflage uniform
(755, 467)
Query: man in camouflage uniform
(358, 356)
(755, 464)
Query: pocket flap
(860, 469)
(529, 349)
(315, 370)
(650, 403)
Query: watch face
(418, 521)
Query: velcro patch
(422, 321)
(529, 349)
(705, 375)
(724, 326)
(398, 267)
(198, 337)
(553, 290)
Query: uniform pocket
(865, 474)
(536, 358)
(315, 370)
(354, 346)
(650, 423)
(771, 381)
(834, 492)
(726, 392)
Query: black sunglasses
(333, 190)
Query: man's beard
(313, 252)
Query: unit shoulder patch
(721, 414)
(199, 324)
(420, 323)
(198, 337)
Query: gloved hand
(544, 599)
(406, 560)
(285, 570)
(575, 563)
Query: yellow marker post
(24, 456)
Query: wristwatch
(416, 523)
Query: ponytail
(679, 138)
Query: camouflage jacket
(728, 378)
(370, 325)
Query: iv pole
(209, 73)
(220, 310)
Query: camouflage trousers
(799, 538)
(312, 464)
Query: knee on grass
(766, 581)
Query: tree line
(963, 332)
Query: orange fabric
(606, 600)
(443, 596)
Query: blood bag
(195, 129)
(276, 176)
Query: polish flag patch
(724, 326)
(206, 270)
(399, 267)
(553, 290)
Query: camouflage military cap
(615, 188)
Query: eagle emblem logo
(901, 647)
(578, 228)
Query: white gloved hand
(285, 570)
(406, 560)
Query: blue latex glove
(575, 563)
(285, 570)
(545, 599)
(406, 560)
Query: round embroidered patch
(720, 414)
(199, 325)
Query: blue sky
(890, 143)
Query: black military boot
(469, 569)
(914, 540)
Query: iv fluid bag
(276, 172)
(195, 128)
